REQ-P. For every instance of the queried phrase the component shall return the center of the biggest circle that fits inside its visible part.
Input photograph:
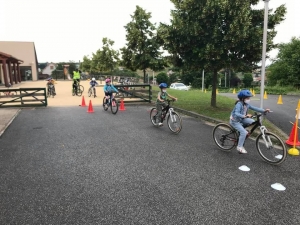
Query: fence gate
(23, 97)
(135, 92)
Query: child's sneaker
(160, 124)
(241, 150)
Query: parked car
(179, 86)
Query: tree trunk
(144, 75)
(213, 102)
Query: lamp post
(264, 48)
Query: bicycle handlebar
(259, 114)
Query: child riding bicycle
(93, 83)
(51, 81)
(240, 117)
(160, 101)
(108, 89)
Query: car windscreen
(179, 85)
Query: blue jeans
(243, 132)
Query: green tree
(286, 69)
(162, 78)
(248, 79)
(142, 48)
(105, 59)
(219, 34)
(86, 64)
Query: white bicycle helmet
(93, 78)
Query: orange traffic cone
(290, 141)
(83, 102)
(90, 109)
(122, 107)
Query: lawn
(199, 102)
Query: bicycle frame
(168, 110)
(110, 98)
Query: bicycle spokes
(225, 136)
(271, 148)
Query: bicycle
(92, 90)
(226, 138)
(112, 103)
(50, 90)
(174, 121)
(80, 89)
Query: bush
(248, 79)
(162, 78)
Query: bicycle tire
(153, 115)
(177, 123)
(80, 87)
(104, 103)
(94, 91)
(79, 92)
(227, 133)
(278, 157)
(89, 92)
(114, 106)
(52, 93)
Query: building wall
(24, 51)
(48, 70)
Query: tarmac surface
(62, 165)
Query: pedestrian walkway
(6, 117)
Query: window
(51, 67)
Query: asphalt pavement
(66, 166)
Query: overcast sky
(64, 30)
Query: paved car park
(62, 165)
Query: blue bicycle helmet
(244, 94)
(163, 85)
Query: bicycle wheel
(80, 87)
(89, 92)
(174, 122)
(153, 117)
(271, 148)
(104, 103)
(94, 91)
(52, 92)
(114, 106)
(225, 136)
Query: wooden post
(4, 68)
(19, 73)
(10, 73)
(15, 73)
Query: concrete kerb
(6, 122)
